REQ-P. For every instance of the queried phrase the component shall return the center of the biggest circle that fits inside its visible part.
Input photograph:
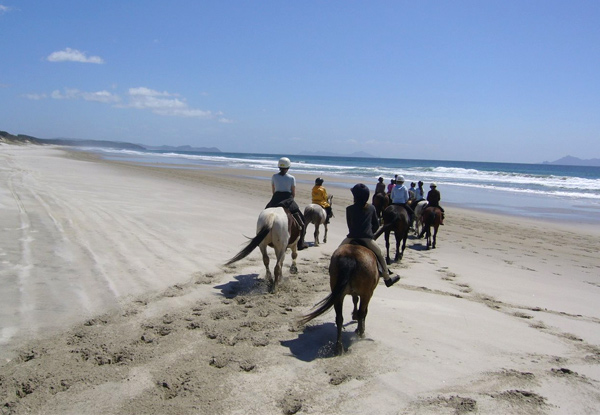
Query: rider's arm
(293, 191)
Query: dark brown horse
(431, 216)
(395, 219)
(380, 202)
(352, 271)
(276, 228)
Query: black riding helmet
(318, 181)
(360, 193)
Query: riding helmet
(319, 181)
(433, 185)
(400, 179)
(284, 163)
(360, 193)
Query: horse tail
(254, 242)
(429, 217)
(346, 268)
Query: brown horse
(352, 271)
(276, 228)
(395, 219)
(381, 201)
(431, 216)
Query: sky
(498, 81)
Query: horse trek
(352, 271)
(317, 215)
(276, 228)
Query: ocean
(545, 191)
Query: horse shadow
(243, 285)
(317, 342)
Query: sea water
(567, 193)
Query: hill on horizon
(574, 161)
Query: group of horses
(353, 268)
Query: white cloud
(35, 97)
(4, 9)
(99, 96)
(165, 103)
(73, 55)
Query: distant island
(8, 138)
(574, 161)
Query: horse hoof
(293, 269)
(339, 350)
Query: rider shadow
(243, 285)
(315, 342)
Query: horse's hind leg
(388, 260)
(339, 322)
(434, 237)
(325, 236)
(265, 256)
(294, 267)
(362, 315)
(355, 310)
(316, 235)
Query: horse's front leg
(362, 316)
(339, 322)
(434, 236)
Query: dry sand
(114, 300)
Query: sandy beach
(115, 300)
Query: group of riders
(361, 217)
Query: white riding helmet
(284, 163)
(400, 179)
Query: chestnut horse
(380, 201)
(352, 271)
(395, 219)
(431, 216)
(278, 229)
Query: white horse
(417, 218)
(275, 228)
(317, 215)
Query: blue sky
(515, 81)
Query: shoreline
(116, 301)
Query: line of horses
(353, 268)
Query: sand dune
(114, 300)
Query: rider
(319, 197)
(362, 221)
(283, 186)
(412, 192)
(380, 187)
(433, 199)
(400, 197)
(420, 193)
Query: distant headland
(574, 161)
(8, 138)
